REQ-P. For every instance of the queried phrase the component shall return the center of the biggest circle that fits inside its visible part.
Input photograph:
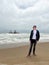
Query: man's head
(34, 27)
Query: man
(34, 37)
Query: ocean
(6, 38)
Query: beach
(17, 55)
(23, 22)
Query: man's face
(34, 28)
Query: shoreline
(14, 45)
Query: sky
(21, 15)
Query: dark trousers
(32, 44)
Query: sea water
(6, 38)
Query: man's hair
(34, 26)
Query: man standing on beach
(34, 37)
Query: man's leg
(34, 47)
(31, 44)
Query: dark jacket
(37, 35)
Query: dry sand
(17, 56)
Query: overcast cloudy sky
(21, 15)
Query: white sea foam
(23, 37)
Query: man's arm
(31, 35)
(38, 35)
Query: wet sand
(17, 55)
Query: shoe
(28, 55)
(34, 54)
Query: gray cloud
(23, 14)
(23, 4)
